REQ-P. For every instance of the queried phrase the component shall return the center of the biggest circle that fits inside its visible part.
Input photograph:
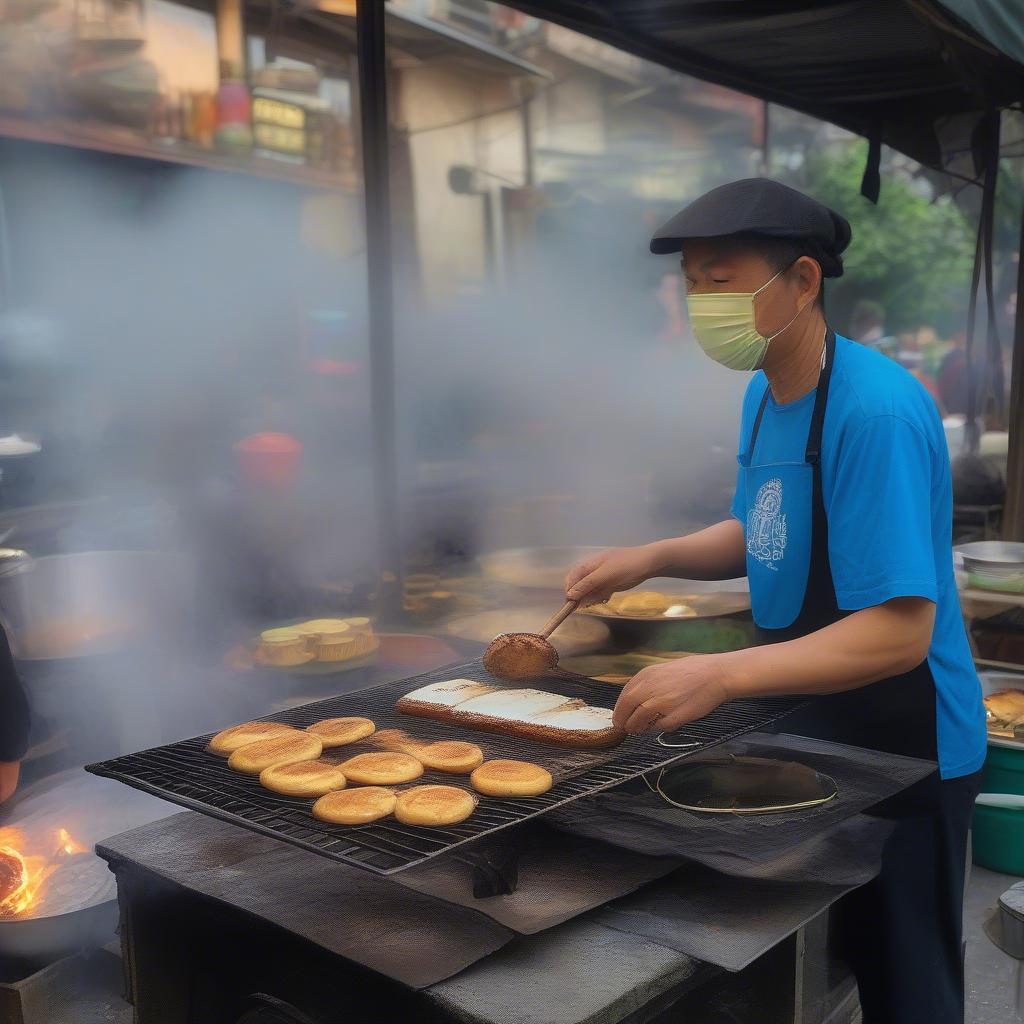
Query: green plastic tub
(998, 834)
(1004, 767)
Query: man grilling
(842, 522)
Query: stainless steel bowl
(77, 905)
(541, 568)
(993, 564)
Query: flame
(33, 869)
(70, 845)
(20, 898)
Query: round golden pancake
(279, 634)
(434, 806)
(454, 756)
(320, 626)
(383, 768)
(229, 740)
(303, 778)
(355, 806)
(364, 643)
(511, 778)
(283, 650)
(313, 630)
(392, 738)
(337, 732)
(333, 647)
(334, 636)
(286, 749)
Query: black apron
(896, 715)
(901, 932)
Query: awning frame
(973, 58)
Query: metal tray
(186, 774)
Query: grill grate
(186, 774)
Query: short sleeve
(880, 516)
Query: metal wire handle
(656, 789)
(799, 806)
(675, 746)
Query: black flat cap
(760, 206)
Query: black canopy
(927, 78)
(1001, 22)
(900, 71)
(919, 75)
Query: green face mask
(723, 324)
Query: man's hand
(9, 771)
(663, 697)
(716, 553)
(595, 579)
(865, 646)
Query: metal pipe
(766, 152)
(526, 127)
(1013, 514)
(373, 109)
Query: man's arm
(716, 553)
(866, 646)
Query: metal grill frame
(187, 774)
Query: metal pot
(722, 621)
(45, 939)
(39, 527)
(98, 640)
(93, 602)
(82, 913)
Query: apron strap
(813, 450)
(757, 423)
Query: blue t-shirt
(889, 500)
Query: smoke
(574, 398)
(157, 314)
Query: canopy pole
(373, 110)
(1013, 513)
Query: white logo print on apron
(778, 542)
(766, 525)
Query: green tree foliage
(910, 253)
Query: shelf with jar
(103, 78)
(106, 138)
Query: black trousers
(902, 932)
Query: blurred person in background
(908, 353)
(952, 377)
(912, 354)
(933, 348)
(867, 325)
